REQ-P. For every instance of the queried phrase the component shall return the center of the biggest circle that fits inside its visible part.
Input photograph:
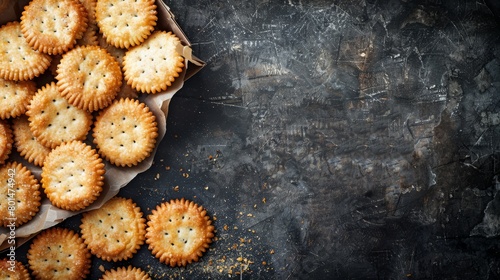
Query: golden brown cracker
(15, 97)
(53, 26)
(155, 64)
(53, 120)
(125, 273)
(20, 201)
(115, 231)
(59, 253)
(26, 144)
(125, 132)
(89, 77)
(6, 141)
(126, 23)
(179, 232)
(13, 270)
(73, 175)
(19, 61)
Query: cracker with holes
(53, 120)
(19, 273)
(130, 273)
(89, 77)
(179, 232)
(15, 97)
(19, 61)
(59, 253)
(115, 231)
(26, 144)
(73, 175)
(6, 141)
(20, 186)
(126, 23)
(125, 132)
(155, 64)
(53, 26)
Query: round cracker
(130, 273)
(125, 132)
(126, 23)
(15, 97)
(53, 120)
(115, 231)
(26, 144)
(155, 64)
(179, 232)
(19, 61)
(20, 272)
(59, 253)
(6, 141)
(73, 175)
(21, 188)
(89, 77)
(53, 26)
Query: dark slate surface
(335, 140)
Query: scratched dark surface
(346, 139)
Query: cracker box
(115, 177)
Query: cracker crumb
(101, 268)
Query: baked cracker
(128, 273)
(19, 61)
(115, 231)
(59, 253)
(53, 26)
(89, 77)
(179, 232)
(21, 190)
(6, 140)
(126, 23)
(125, 132)
(73, 176)
(155, 64)
(20, 272)
(53, 120)
(15, 97)
(26, 144)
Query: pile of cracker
(72, 73)
(178, 233)
(71, 76)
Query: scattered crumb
(101, 268)
(176, 188)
